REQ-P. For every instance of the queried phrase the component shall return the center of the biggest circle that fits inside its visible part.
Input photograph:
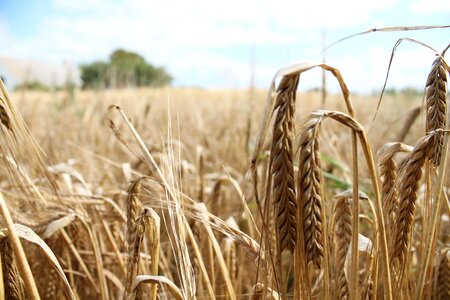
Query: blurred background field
(222, 122)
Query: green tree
(124, 69)
(94, 75)
(123, 66)
(148, 75)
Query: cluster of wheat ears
(275, 230)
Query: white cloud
(430, 6)
(3, 29)
(5, 35)
(367, 71)
(204, 42)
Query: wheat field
(183, 193)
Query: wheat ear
(436, 102)
(388, 172)
(154, 239)
(310, 192)
(132, 205)
(443, 278)
(23, 266)
(408, 187)
(282, 154)
(343, 237)
(134, 253)
(411, 117)
(132, 234)
(12, 284)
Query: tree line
(124, 69)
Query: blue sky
(213, 43)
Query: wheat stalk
(231, 255)
(359, 131)
(218, 253)
(199, 260)
(431, 228)
(160, 280)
